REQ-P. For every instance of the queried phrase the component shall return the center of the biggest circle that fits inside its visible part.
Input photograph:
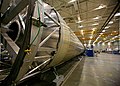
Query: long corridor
(103, 70)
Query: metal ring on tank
(15, 30)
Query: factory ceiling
(93, 21)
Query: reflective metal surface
(63, 44)
(52, 42)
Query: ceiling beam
(114, 11)
(14, 11)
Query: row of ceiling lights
(95, 24)
(104, 30)
(101, 6)
(109, 41)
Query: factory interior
(60, 43)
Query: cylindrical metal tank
(61, 45)
(52, 42)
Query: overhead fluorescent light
(107, 27)
(110, 22)
(83, 38)
(91, 37)
(89, 44)
(71, 1)
(109, 43)
(78, 16)
(82, 32)
(103, 31)
(95, 24)
(103, 43)
(115, 36)
(113, 41)
(93, 44)
(99, 42)
(85, 45)
(117, 14)
(97, 17)
(79, 21)
(100, 7)
(80, 26)
(94, 28)
(104, 38)
(97, 38)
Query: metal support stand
(59, 78)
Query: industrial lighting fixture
(104, 38)
(71, 1)
(103, 43)
(113, 41)
(103, 31)
(100, 7)
(80, 26)
(115, 36)
(97, 17)
(99, 35)
(94, 29)
(95, 24)
(117, 14)
(99, 42)
(109, 43)
(91, 37)
(85, 45)
(106, 41)
(82, 32)
(83, 38)
(89, 44)
(93, 44)
(96, 39)
(79, 21)
(107, 27)
(110, 22)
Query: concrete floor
(103, 70)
